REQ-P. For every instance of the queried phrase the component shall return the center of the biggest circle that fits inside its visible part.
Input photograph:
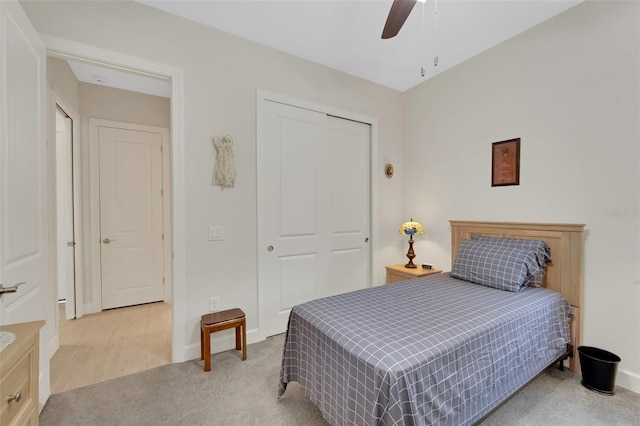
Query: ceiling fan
(400, 10)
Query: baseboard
(628, 380)
(44, 391)
(222, 341)
(44, 376)
(54, 344)
(90, 308)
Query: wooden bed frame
(563, 275)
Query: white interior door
(24, 225)
(317, 208)
(65, 242)
(131, 216)
(23, 217)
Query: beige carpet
(244, 393)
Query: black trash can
(599, 369)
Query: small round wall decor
(388, 170)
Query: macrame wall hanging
(224, 173)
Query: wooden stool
(222, 320)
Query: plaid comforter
(430, 351)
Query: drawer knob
(15, 397)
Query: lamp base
(410, 255)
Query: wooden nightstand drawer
(19, 375)
(16, 384)
(397, 273)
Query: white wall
(221, 76)
(62, 80)
(569, 88)
(122, 105)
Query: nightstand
(397, 273)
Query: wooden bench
(223, 320)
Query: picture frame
(505, 163)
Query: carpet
(244, 393)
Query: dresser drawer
(17, 380)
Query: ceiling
(345, 34)
(119, 79)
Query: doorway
(66, 49)
(149, 342)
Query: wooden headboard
(563, 275)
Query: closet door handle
(107, 240)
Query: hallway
(111, 344)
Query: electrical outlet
(214, 304)
(216, 233)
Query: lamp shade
(411, 228)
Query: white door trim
(94, 179)
(67, 49)
(78, 295)
(263, 96)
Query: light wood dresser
(397, 273)
(19, 375)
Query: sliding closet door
(316, 208)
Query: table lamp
(410, 228)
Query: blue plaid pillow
(493, 265)
(541, 249)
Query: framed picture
(505, 163)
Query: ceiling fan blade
(400, 10)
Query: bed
(436, 350)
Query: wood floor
(111, 344)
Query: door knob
(71, 243)
(11, 289)
(270, 248)
(107, 241)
